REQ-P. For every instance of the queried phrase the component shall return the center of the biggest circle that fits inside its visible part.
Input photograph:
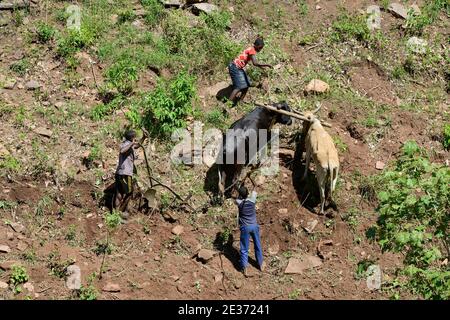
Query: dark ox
(242, 142)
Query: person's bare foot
(262, 267)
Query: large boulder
(398, 10)
(207, 8)
(296, 266)
(317, 86)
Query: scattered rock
(374, 20)
(3, 285)
(296, 266)
(398, 10)
(379, 165)
(321, 253)
(22, 246)
(138, 24)
(318, 7)
(139, 264)
(111, 287)
(283, 211)
(204, 255)
(43, 132)
(238, 284)
(180, 288)
(172, 3)
(286, 152)
(13, 4)
(374, 277)
(140, 13)
(29, 287)
(3, 152)
(32, 85)
(157, 258)
(416, 9)
(204, 7)
(417, 45)
(9, 83)
(17, 227)
(310, 226)
(3, 21)
(59, 104)
(170, 217)
(6, 265)
(5, 249)
(218, 278)
(274, 248)
(177, 230)
(317, 86)
(73, 281)
(10, 236)
(114, 18)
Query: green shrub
(416, 23)
(348, 27)
(44, 32)
(74, 41)
(9, 164)
(166, 108)
(414, 220)
(446, 134)
(20, 67)
(102, 110)
(126, 15)
(88, 293)
(122, 75)
(18, 276)
(155, 11)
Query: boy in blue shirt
(248, 227)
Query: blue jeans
(253, 231)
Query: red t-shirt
(242, 60)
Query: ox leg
(308, 158)
(222, 181)
(321, 179)
(334, 178)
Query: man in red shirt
(241, 82)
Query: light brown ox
(320, 146)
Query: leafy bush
(74, 41)
(414, 220)
(9, 164)
(18, 276)
(446, 141)
(102, 110)
(155, 11)
(122, 75)
(348, 27)
(20, 67)
(166, 108)
(415, 23)
(126, 15)
(44, 32)
(88, 293)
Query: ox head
(281, 118)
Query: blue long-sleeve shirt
(247, 210)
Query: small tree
(414, 208)
(112, 221)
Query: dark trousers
(247, 232)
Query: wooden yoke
(297, 115)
